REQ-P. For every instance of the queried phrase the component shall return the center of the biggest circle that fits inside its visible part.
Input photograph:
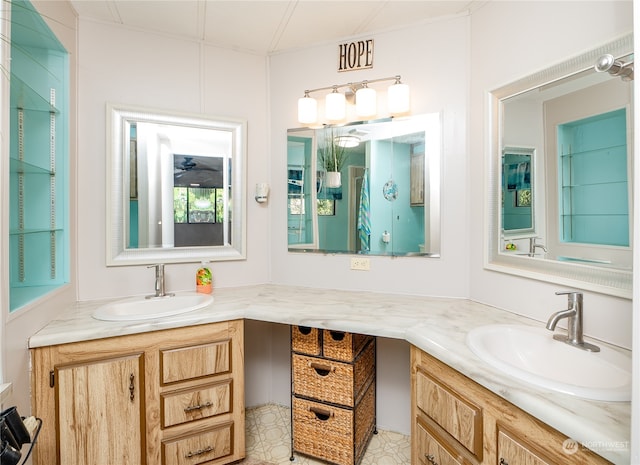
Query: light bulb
(307, 110)
(398, 98)
(335, 106)
(366, 102)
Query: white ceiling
(269, 26)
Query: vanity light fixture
(398, 98)
(307, 109)
(365, 99)
(335, 106)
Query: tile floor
(268, 439)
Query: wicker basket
(339, 345)
(338, 435)
(332, 381)
(305, 340)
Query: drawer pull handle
(132, 388)
(337, 335)
(321, 414)
(431, 459)
(199, 452)
(503, 461)
(322, 370)
(191, 408)
(305, 330)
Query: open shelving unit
(39, 159)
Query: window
(198, 205)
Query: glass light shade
(307, 110)
(347, 141)
(366, 102)
(398, 99)
(335, 106)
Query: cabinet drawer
(193, 404)
(512, 452)
(336, 434)
(430, 450)
(191, 362)
(305, 340)
(343, 346)
(200, 447)
(333, 381)
(459, 417)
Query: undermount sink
(141, 308)
(533, 356)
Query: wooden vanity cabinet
(455, 421)
(166, 397)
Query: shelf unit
(39, 159)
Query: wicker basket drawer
(305, 340)
(332, 381)
(338, 435)
(343, 346)
(193, 404)
(199, 448)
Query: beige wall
(125, 66)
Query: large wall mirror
(366, 188)
(561, 174)
(176, 187)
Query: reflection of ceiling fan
(187, 164)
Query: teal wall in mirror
(387, 199)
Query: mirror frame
(118, 117)
(610, 281)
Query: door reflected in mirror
(175, 180)
(367, 187)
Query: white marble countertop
(436, 325)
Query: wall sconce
(262, 192)
(365, 99)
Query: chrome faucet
(159, 285)
(533, 246)
(573, 314)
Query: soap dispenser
(204, 280)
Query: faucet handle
(572, 296)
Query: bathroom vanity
(77, 353)
(457, 421)
(166, 397)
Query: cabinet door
(100, 411)
(512, 452)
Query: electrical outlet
(360, 263)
